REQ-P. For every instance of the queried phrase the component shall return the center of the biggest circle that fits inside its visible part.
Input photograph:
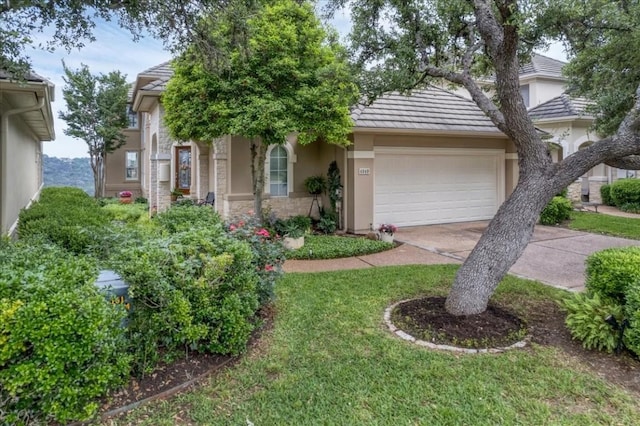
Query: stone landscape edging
(406, 336)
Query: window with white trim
(279, 172)
(131, 165)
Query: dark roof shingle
(559, 107)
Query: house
(26, 121)
(432, 157)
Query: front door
(183, 169)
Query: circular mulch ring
(426, 322)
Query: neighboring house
(26, 121)
(122, 167)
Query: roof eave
(430, 132)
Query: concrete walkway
(555, 256)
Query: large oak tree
(401, 45)
(276, 71)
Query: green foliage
(184, 217)
(141, 200)
(96, 113)
(194, 289)
(632, 313)
(333, 247)
(625, 191)
(61, 344)
(315, 184)
(328, 222)
(293, 227)
(630, 207)
(586, 315)
(610, 272)
(67, 217)
(558, 210)
(127, 213)
(268, 253)
(334, 186)
(605, 195)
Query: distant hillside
(68, 172)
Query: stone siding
(282, 207)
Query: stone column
(220, 177)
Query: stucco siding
(115, 171)
(24, 171)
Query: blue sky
(114, 49)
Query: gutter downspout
(4, 161)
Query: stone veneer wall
(281, 206)
(575, 191)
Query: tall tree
(403, 45)
(97, 114)
(276, 72)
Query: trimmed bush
(609, 272)
(191, 290)
(185, 217)
(558, 209)
(632, 313)
(625, 191)
(586, 319)
(61, 344)
(605, 195)
(630, 207)
(67, 217)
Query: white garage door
(429, 186)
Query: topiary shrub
(605, 195)
(609, 272)
(558, 209)
(586, 320)
(625, 191)
(61, 344)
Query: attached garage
(423, 186)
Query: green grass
(330, 361)
(604, 224)
(333, 247)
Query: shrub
(268, 253)
(67, 217)
(332, 247)
(328, 222)
(609, 272)
(61, 345)
(630, 207)
(558, 209)
(185, 217)
(293, 227)
(193, 289)
(625, 191)
(632, 312)
(586, 320)
(125, 212)
(605, 195)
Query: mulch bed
(544, 324)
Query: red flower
(232, 227)
(268, 268)
(263, 232)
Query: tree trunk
(499, 248)
(258, 157)
(101, 176)
(96, 178)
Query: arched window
(279, 172)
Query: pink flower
(232, 227)
(263, 233)
(268, 268)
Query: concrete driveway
(554, 256)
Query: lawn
(605, 224)
(329, 360)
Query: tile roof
(31, 76)
(431, 109)
(163, 72)
(541, 64)
(559, 107)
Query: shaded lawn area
(599, 223)
(330, 360)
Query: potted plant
(386, 231)
(315, 185)
(125, 197)
(293, 231)
(175, 193)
